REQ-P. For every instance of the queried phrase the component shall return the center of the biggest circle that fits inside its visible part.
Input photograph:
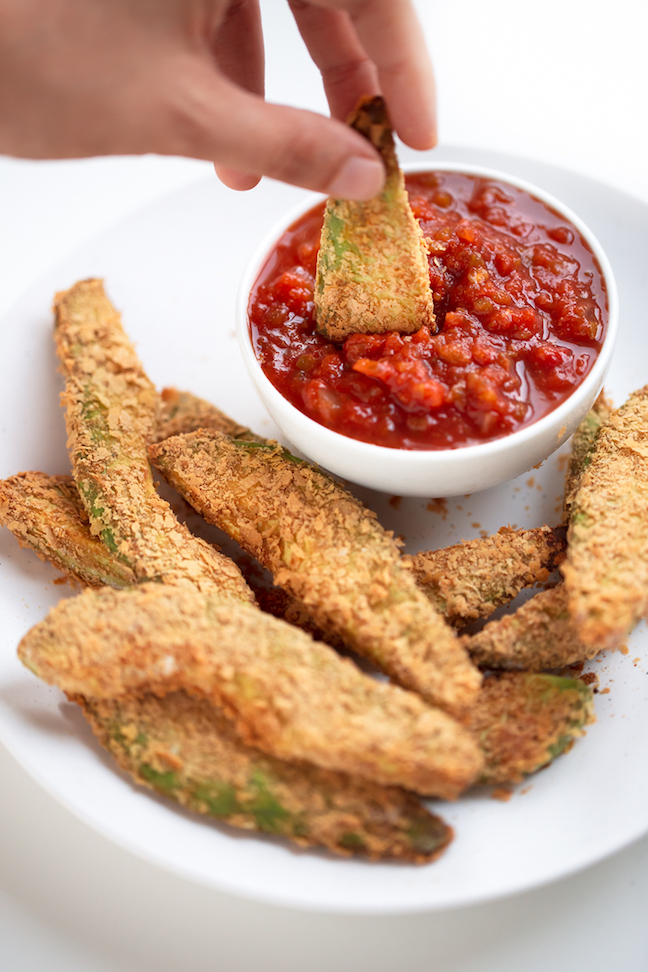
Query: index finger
(388, 33)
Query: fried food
(180, 411)
(522, 722)
(464, 582)
(539, 635)
(185, 749)
(372, 268)
(46, 513)
(471, 579)
(110, 412)
(287, 695)
(90, 561)
(582, 444)
(606, 570)
(325, 548)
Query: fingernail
(359, 178)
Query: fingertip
(235, 179)
(421, 141)
(359, 178)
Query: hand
(185, 77)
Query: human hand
(185, 77)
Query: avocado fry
(46, 513)
(185, 749)
(539, 635)
(110, 412)
(582, 444)
(181, 411)
(606, 569)
(372, 269)
(286, 694)
(328, 551)
(523, 721)
(90, 562)
(471, 579)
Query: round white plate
(173, 269)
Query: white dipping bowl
(434, 472)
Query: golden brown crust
(471, 579)
(538, 636)
(180, 411)
(325, 548)
(582, 444)
(185, 749)
(289, 696)
(524, 721)
(46, 514)
(372, 267)
(110, 412)
(606, 570)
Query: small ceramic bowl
(445, 472)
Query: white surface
(73, 900)
(446, 472)
(173, 263)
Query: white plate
(173, 269)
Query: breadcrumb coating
(372, 267)
(582, 444)
(110, 412)
(471, 579)
(521, 737)
(325, 548)
(539, 635)
(606, 570)
(180, 411)
(185, 749)
(287, 695)
(522, 722)
(46, 514)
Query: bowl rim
(455, 455)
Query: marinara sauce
(520, 305)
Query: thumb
(238, 130)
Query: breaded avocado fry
(287, 695)
(372, 268)
(185, 749)
(539, 635)
(522, 722)
(46, 513)
(110, 412)
(325, 548)
(471, 579)
(180, 411)
(582, 444)
(606, 570)
(90, 560)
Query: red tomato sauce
(521, 309)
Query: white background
(563, 81)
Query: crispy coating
(325, 548)
(372, 268)
(510, 751)
(185, 749)
(180, 411)
(539, 635)
(46, 514)
(606, 570)
(522, 722)
(464, 582)
(110, 411)
(470, 580)
(582, 444)
(287, 695)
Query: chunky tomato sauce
(520, 305)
